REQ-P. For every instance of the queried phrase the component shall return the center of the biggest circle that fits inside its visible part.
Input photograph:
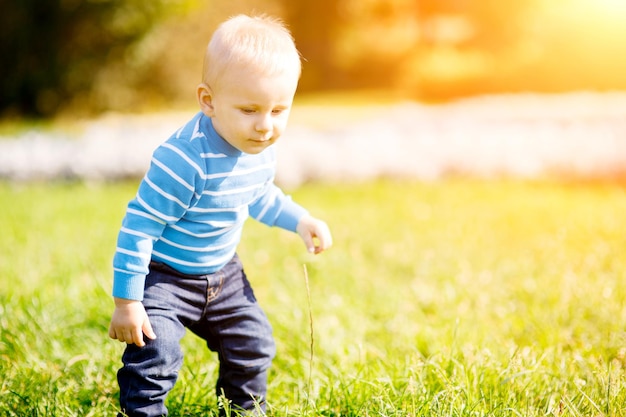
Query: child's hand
(130, 322)
(315, 234)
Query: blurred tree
(314, 26)
(373, 38)
(429, 49)
(163, 69)
(129, 55)
(51, 50)
(468, 47)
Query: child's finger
(324, 239)
(308, 242)
(112, 334)
(147, 330)
(137, 338)
(124, 336)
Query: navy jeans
(221, 309)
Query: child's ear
(205, 99)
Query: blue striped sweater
(191, 205)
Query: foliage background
(132, 55)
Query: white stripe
(155, 212)
(211, 248)
(173, 174)
(234, 190)
(239, 172)
(242, 172)
(132, 253)
(267, 205)
(210, 155)
(136, 233)
(196, 131)
(216, 210)
(221, 231)
(255, 169)
(214, 262)
(144, 214)
(184, 156)
(164, 194)
(124, 271)
(179, 132)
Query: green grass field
(454, 298)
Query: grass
(454, 298)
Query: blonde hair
(262, 43)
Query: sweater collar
(219, 143)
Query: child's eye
(246, 110)
(277, 111)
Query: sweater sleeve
(274, 208)
(165, 193)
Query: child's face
(249, 110)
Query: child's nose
(264, 123)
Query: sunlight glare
(605, 7)
(612, 6)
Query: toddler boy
(175, 265)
